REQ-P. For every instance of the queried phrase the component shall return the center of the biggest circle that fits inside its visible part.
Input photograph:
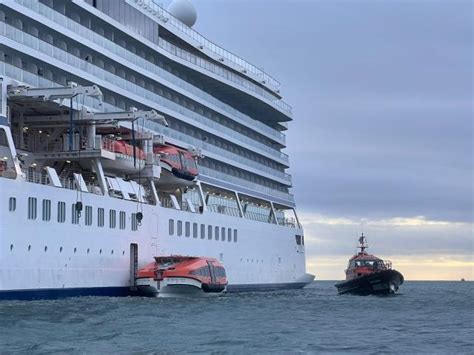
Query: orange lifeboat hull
(178, 276)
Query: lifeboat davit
(175, 276)
(367, 274)
(179, 167)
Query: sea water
(425, 317)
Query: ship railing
(288, 222)
(154, 8)
(42, 178)
(143, 63)
(229, 211)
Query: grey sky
(382, 97)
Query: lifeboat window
(223, 234)
(122, 217)
(209, 232)
(195, 230)
(46, 210)
(88, 219)
(229, 234)
(12, 204)
(112, 218)
(180, 228)
(74, 214)
(235, 235)
(219, 271)
(100, 217)
(188, 229)
(216, 230)
(171, 227)
(203, 231)
(61, 212)
(32, 202)
(368, 263)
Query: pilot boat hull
(382, 282)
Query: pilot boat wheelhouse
(368, 274)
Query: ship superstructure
(126, 135)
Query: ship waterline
(126, 135)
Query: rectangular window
(12, 204)
(112, 218)
(188, 229)
(74, 214)
(134, 222)
(203, 231)
(180, 228)
(229, 234)
(46, 210)
(171, 227)
(209, 232)
(32, 203)
(100, 217)
(235, 235)
(61, 212)
(223, 234)
(88, 216)
(216, 232)
(195, 230)
(122, 217)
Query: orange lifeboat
(179, 167)
(174, 276)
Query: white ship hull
(50, 259)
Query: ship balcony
(93, 73)
(107, 47)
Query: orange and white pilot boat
(175, 276)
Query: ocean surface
(425, 317)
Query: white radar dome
(184, 11)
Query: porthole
(123, 252)
(112, 252)
(61, 249)
(88, 250)
(75, 250)
(29, 247)
(11, 246)
(100, 251)
(45, 248)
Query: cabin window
(223, 234)
(100, 217)
(171, 226)
(122, 217)
(112, 218)
(32, 202)
(188, 229)
(229, 234)
(61, 212)
(74, 214)
(195, 230)
(216, 230)
(88, 217)
(12, 204)
(209, 232)
(235, 235)
(180, 228)
(203, 231)
(298, 239)
(46, 210)
(134, 222)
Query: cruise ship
(126, 135)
